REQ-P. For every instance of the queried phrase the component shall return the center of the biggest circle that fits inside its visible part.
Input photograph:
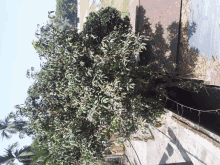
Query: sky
(19, 19)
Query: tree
(22, 155)
(5, 129)
(101, 23)
(67, 9)
(88, 128)
(9, 128)
(81, 97)
(62, 24)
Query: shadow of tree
(157, 47)
(189, 55)
(162, 52)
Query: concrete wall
(199, 42)
(200, 29)
(176, 141)
(159, 19)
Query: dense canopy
(86, 90)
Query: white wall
(175, 143)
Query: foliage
(67, 9)
(101, 23)
(77, 104)
(61, 25)
(9, 128)
(23, 155)
(81, 96)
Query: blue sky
(19, 19)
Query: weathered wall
(200, 32)
(159, 19)
(176, 141)
(199, 44)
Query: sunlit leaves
(82, 94)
